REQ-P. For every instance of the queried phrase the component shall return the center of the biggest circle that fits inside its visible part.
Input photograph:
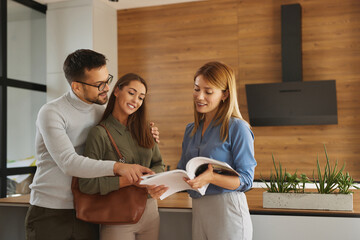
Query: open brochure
(174, 179)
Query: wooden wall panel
(331, 50)
(167, 44)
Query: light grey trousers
(146, 229)
(223, 216)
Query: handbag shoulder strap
(113, 144)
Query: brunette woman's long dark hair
(137, 122)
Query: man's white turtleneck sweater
(62, 127)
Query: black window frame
(6, 82)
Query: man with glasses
(62, 127)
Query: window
(22, 90)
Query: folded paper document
(174, 179)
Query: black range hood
(292, 102)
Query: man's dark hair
(76, 63)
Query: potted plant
(285, 190)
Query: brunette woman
(125, 118)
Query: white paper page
(202, 190)
(171, 179)
(194, 163)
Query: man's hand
(155, 132)
(132, 172)
(156, 191)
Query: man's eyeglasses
(102, 85)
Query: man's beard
(97, 99)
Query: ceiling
(125, 4)
(19, 12)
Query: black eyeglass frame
(102, 85)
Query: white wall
(23, 106)
(176, 225)
(274, 227)
(37, 47)
(105, 35)
(73, 25)
(68, 28)
(27, 62)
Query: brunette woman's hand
(156, 190)
(137, 183)
(203, 179)
(155, 132)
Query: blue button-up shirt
(237, 151)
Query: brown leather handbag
(123, 206)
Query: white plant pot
(340, 202)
